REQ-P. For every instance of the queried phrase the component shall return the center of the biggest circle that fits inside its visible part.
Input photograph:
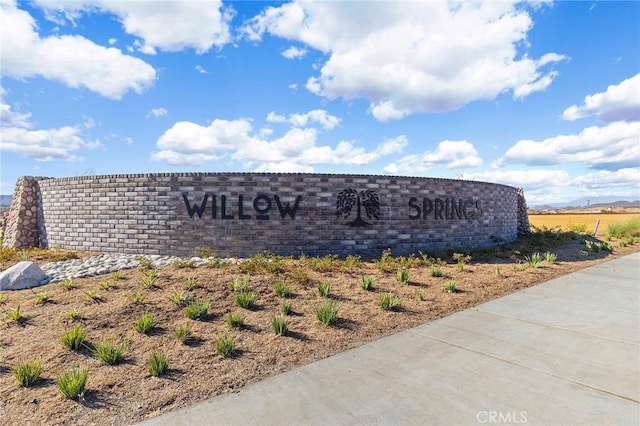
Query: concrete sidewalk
(566, 352)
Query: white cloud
(386, 111)
(11, 118)
(112, 41)
(540, 185)
(201, 70)
(191, 144)
(284, 167)
(158, 112)
(170, 25)
(46, 145)
(294, 53)
(127, 140)
(612, 147)
(605, 180)
(535, 86)
(320, 116)
(293, 86)
(618, 102)
(530, 178)
(451, 154)
(144, 48)
(72, 60)
(413, 56)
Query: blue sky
(539, 95)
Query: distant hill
(591, 202)
(5, 200)
(591, 205)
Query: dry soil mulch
(126, 393)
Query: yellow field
(564, 220)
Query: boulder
(22, 275)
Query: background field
(566, 220)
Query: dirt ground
(126, 393)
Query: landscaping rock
(22, 275)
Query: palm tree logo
(367, 199)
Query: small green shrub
(72, 383)
(298, 276)
(205, 252)
(74, 314)
(281, 289)
(67, 283)
(550, 257)
(116, 276)
(324, 288)
(435, 271)
(422, 296)
(105, 285)
(27, 373)
(158, 363)
(145, 323)
(225, 345)
(178, 297)
(245, 299)
(286, 307)
(235, 320)
(498, 272)
(624, 229)
(629, 241)
(184, 263)
(183, 333)
(388, 301)
(137, 298)
(3, 299)
(327, 312)
(577, 227)
(110, 353)
(190, 283)
(519, 266)
(144, 263)
(402, 275)
(93, 295)
(262, 262)
(535, 260)
(461, 259)
(367, 283)
(386, 263)
(450, 287)
(42, 297)
(197, 310)
(239, 285)
(15, 315)
(74, 338)
(148, 281)
(24, 255)
(596, 246)
(279, 325)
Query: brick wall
(147, 213)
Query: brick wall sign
(247, 213)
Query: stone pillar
(21, 225)
(523, 218)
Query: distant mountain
(5, 200)
(591, 202)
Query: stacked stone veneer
(524, 228)
(147, 214)
(20, 225)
